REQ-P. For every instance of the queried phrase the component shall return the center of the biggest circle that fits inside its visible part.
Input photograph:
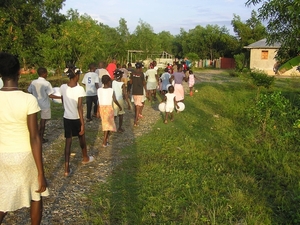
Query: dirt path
(67, 199)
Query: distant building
(262, 56)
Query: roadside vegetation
(231, 157)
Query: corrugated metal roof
(262, 44)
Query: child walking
(121, 94)
(170, 103)
(106, 96)
(42, 90)
(72, 94)
(191, 82)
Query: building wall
(263, 59)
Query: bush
(261, 79)
(233, 73)
(239, 61)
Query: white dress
(18, 172)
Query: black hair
(179, 66)
(9, 66)
(166, 69)
(41, 71)
(105, 79)
(138, 65)
(92, 66)
(71, 71)
(171, 89)
(190, 71)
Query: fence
(221, 63)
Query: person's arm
(80, 112)
(54, 96)
(186, 78)
(97, 85)
(36, 149)
(125, 96)
(175, 103)
(171, 79)
(115, 101)
(144, 83)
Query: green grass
(210, 166)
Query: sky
(163, 15)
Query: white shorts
(46, 114)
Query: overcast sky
(163, 15)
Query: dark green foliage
(283, 24)
(261, 79)
(233, 73)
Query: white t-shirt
(14, 133)
(70, 97)
(90, 79)
(117, 87)
(105, 96)
(150, 73)
(41, 89)
(1, 83)
(100, 73)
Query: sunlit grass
(204, 168)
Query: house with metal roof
(262, 56)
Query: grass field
(229, 158)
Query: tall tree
(21, 24)
(145, 39)
(166, 39)
(250, 31)
(283, 24)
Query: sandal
(91, 159)
(67, 174)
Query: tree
(166, 40)
(246, 33)
(283, 25)
(145, 39)
(251, 31)
(21, 24)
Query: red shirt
(110, 69)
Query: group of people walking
(107, 91)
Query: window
(264, 54)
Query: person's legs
(36, 209)
(137, 113)
(166, 117)
(42, 129)
(68, 144)
(191, 91)
(171, 114)
(120, 123)
(105, 138)
(154, 94)
(83, 147)
(2, 215)
(95, 102)
(89, 100)
(149, 94)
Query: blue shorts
(72, 127)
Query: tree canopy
(283, 24)
(40, 35)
